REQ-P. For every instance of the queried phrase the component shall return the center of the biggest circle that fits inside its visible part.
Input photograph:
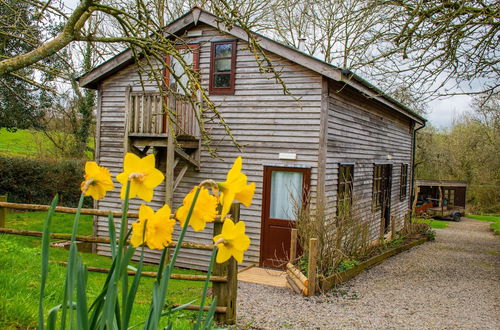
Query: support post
(169, 171)
(226, 293)
(293, 245)
(415, 200)
(393, 227)
(311, 269)
(3, 211)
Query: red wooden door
(284, 189)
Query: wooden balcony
(148, 126)
(147, 117)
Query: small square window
(222, 68)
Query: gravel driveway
(452, 283)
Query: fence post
(311, 267)
(3, 211)
(293, 245)
(226, 292)
(393, 228)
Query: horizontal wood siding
(263, 120)
(362, 133)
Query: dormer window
(222, 67)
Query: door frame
(266, 201)
(386, 190)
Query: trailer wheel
(456, 217)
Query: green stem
(158, 306)
(45, 259)
(70, 276)
(205, 287)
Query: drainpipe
(413, 166)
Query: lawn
(437, 224)
(21, 143)
(494, 219)
(20, 279)
(28, 143)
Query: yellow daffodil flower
(235, 187)
(232, 241)
(204, 210)
(97, 181)
(154, 229)
(143, 176)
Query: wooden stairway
(167, 124)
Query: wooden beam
(293, 244)
(126, 141)
(92, 239)
(185, 277)
(169, 171)
(322, 149)
(311, 267)
(3, 211)
(180, 176)
(187, 158)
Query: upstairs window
(191, 56)
(403, 189)
(344, 194)
(222, 68)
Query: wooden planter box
(327, 283)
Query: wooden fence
(223, 278)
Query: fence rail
(224, 276)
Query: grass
(494, 219)
(21, 143)
(437, 224)
(20, 279)
(28, 143)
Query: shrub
(36, 181)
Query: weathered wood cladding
(263, 120)
(364, 133)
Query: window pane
(286, 194)
(223, 50)
(223, 65)
(222, 80)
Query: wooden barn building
(337, 137)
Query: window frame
(195, 49)
(403, 182)
(377, 187)
(232, 74)
(348, 185)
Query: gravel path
(452, 283)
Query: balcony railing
(147, 114)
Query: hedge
(36, 181)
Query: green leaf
(81, 296)
(205, 288)
(210, 315)
(112, 234)
(129, 304)
(70, 271)
(52, 317)
(45, 258)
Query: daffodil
(235, 187)
(154, 229)
(232, 241)
(97, 181)
(142, 174)
(204, 210)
